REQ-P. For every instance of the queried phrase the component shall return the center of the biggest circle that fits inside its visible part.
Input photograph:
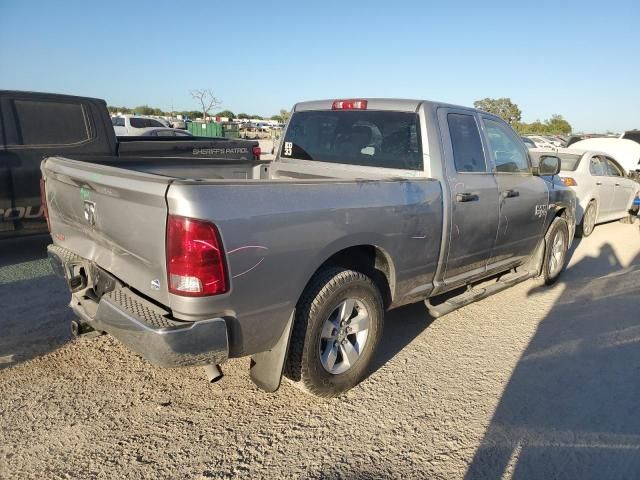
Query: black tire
(327, 289)
(559, 226)
(630, 218)
(581, 231)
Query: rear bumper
(142, 326)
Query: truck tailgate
(113, 217)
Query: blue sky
(578, 59)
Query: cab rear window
(355, 137)
(41, 123)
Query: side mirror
(548, 165)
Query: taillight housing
(351, 104)
(43, 202)
(569, 181)
(256, 152)
(195, 258)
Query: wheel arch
(371, 260)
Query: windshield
(569, 161)
(355, 137)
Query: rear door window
(465, 141)
(355, 137)
(44, 123)
(117, 121)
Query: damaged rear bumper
(141, 325)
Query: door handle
(467, 197)
(617, 184)
(598, 183)
(510, 193)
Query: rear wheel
(588, 223)
(338, 326)
(555, 254)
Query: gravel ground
(533, 382)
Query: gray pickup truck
(370, 204)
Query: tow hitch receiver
(73, 270)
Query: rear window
(50, 123)
(138, 122)
(568, 161)
(355, 137)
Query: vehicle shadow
(570, 409)
(401, 326)
(34, 318)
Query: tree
(144, 110)
(284, 115)
(243, 116)
(226, 113)
(113, 109)
(557, 124)
(207, 100)
(502, 107)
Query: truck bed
(275, 232)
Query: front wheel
(555, 254)
(337, 329)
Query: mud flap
(536, 259)
(266, 367)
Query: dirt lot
(534, 382)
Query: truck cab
(495, 202)
(32, 127)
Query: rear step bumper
(142, 326)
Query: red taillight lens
(43, 202)
(195, 260)
(256, 153)
(352, 104)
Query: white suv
(133, 125)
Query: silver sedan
(602, 188)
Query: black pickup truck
(37, 125)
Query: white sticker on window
(288, 148)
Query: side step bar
(477, 293)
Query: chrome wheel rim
(344, 336)
(557, 254)
(589, 219)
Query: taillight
(43, 202)
(195, 260)
(352, 104)
(569, 182)
(256, 153)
